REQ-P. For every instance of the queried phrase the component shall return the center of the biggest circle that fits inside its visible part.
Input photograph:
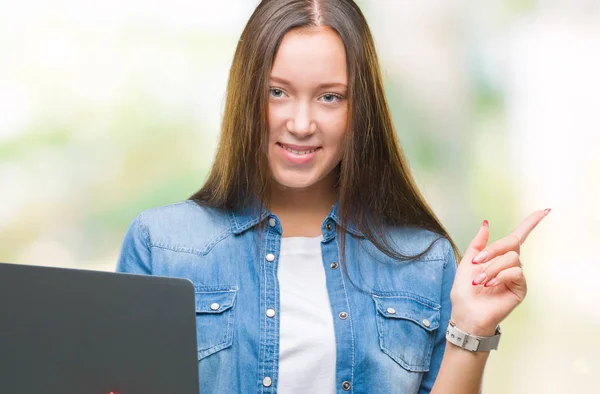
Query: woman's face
(308, 107)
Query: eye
(276, 93)
(331, 98)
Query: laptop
(68, 331)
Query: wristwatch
(473, 343)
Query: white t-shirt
(307, 338)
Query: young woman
(317, 264)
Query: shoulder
(184, 212)
(411, 241)
(183, 225)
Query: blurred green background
(109, 108)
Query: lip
(298, 159)
(298, 147)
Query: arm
(461, 371)
(135, 256)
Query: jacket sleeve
(135, 255)
(445, 312)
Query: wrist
(465, 325)
(470, 341)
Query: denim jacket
(389, 316)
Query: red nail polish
(486, 223)
(491, 282)
(474, 284)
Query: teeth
(298, 152)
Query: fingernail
(480, 278)
(480, 258)
(491, 283)
(486, 223)
(547, 210)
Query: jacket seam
(447, 257)
(407, 295)
(199, 252)
(352, 388)
(145, 238)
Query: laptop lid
(67, 331)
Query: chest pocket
(215, 317)
(407, 326)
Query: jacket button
(272, 222)
(426, 323)
(328, 226)
(267, 381)
(346, 386)
(334, 265)
(214, 306)
(270, 257)
(391, 311)
(343, 315)
(270, 312)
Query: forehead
(310, 56)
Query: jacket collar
(251, 215)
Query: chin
(296, 181)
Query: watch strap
(473, 343)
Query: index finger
(527, 225)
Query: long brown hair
(375, 187)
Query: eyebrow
(321, 85)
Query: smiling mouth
(298, 151)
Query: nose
(301, 123)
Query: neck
(302, 211)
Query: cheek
(276, 121)
(336, 130)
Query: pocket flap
(422, 312)
(215, 301)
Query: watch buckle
(465, 344)
(474, 340)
